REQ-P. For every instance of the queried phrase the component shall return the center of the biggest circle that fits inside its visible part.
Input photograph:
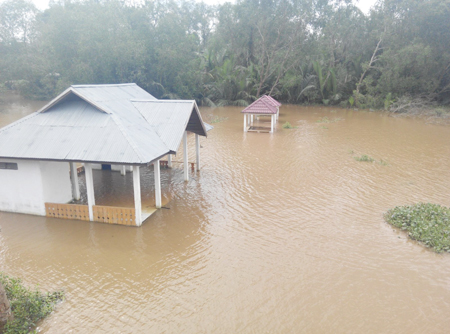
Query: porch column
(169, 160)
(271, 122)
(123, 170)
(251, 119)
(130, 168)
(74, 180)
(90, 190)
(137, 195)
(245, 122)
(185, 157)
(197, 149)
(157, 171)
(278, 113)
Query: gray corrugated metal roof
(98, 123)
(169, 118)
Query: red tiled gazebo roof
(264, 105)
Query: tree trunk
(5, 308)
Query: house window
(8, 165)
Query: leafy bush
(424, 222)
(27, 305)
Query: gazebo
(116, 127)
(264, 106)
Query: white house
(115, 126)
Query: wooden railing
(114, 215)
(104, 214)
(67, 211)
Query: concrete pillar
(245, 122)
(157, 171)
(197, 149)
(130, 168)
(185, 157)
(74, 180)
(137, 195)
(90, 189)
(278, 113)
(251, 120)
(271, 122)
(169, 160)
(123, 170)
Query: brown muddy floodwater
(278, 233)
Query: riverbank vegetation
(424, 222)
(299, 51)
(28, 305)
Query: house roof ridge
(64, 94)
(164, 101)
(105, 85)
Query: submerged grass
(364, 158)
(218, 119)
(424, 222)
(328, 120)
(368, 158)
(288, 125)
(27, 305)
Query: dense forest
(299, 51)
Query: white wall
(27, 189)
(21, 190)
(56, 182)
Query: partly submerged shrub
(27, 305)
(424, 222)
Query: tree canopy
(299, 51)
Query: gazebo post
(157, 171)
(251, 119)
(278, 113)
(271, 122)
(74, 180)
(137, 195)
(169, 160)
(90, 189)
(245, 122)
(197, 151)
(185, 157)
(123, 170)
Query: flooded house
(115, 127)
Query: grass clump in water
(424, 222)
(218, 119)
(323, 120)
(288, 125)
(327, 120)
(28, 306)
(365, 158)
